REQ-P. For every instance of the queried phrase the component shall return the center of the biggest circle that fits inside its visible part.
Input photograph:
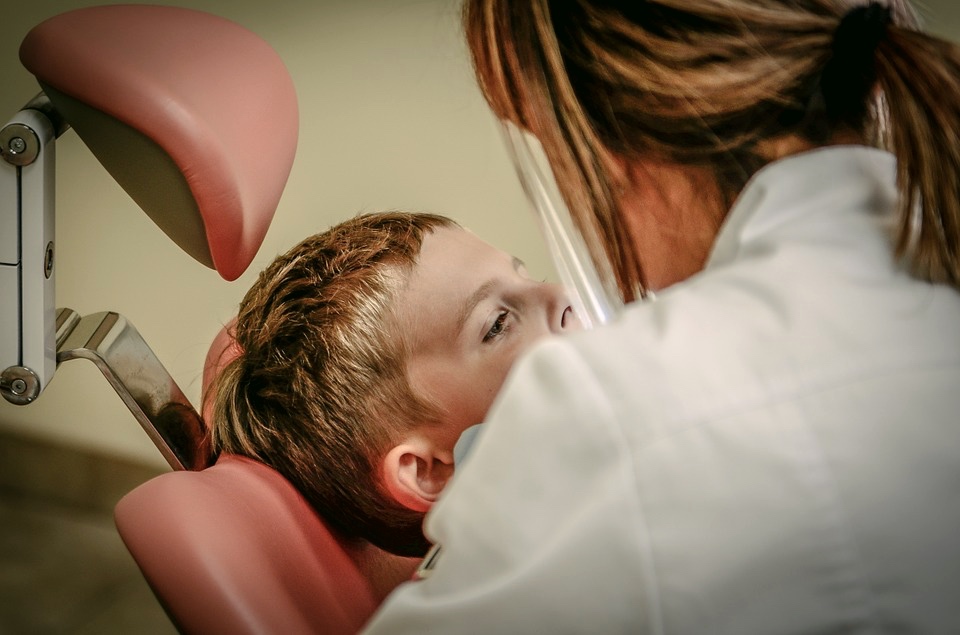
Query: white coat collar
(803, 185)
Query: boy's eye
(498, 328)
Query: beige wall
(390, 119)
(940, 16)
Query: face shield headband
(592, 300)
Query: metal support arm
(112, 343)
(35, 337)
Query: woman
(772, 445)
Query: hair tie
(851, 71)
(861, 31)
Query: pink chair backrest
(223, 349)
(235, 549)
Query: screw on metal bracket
(16, 145)
(48, 260)
(19, 385)
(19, 144)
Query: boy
(366, 351)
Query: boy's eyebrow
(475, 298)
(481, 292)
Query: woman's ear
(415, 472)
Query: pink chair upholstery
(221, 351)
(193, 115)
(235, 548)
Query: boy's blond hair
(320, 390)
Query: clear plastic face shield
(593, 302)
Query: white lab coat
(773, 446)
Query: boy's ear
(415, 472)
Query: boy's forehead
(452, 265)
(456, 252)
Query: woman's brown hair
(319, 390)
(705, 83)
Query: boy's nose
(569, 320)
(560, 311)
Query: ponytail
(919, 76)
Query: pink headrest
(235, 549)
(150, 86)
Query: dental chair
(254, 556)
(196, 118)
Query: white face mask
(593, 301)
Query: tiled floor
(63, 568)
